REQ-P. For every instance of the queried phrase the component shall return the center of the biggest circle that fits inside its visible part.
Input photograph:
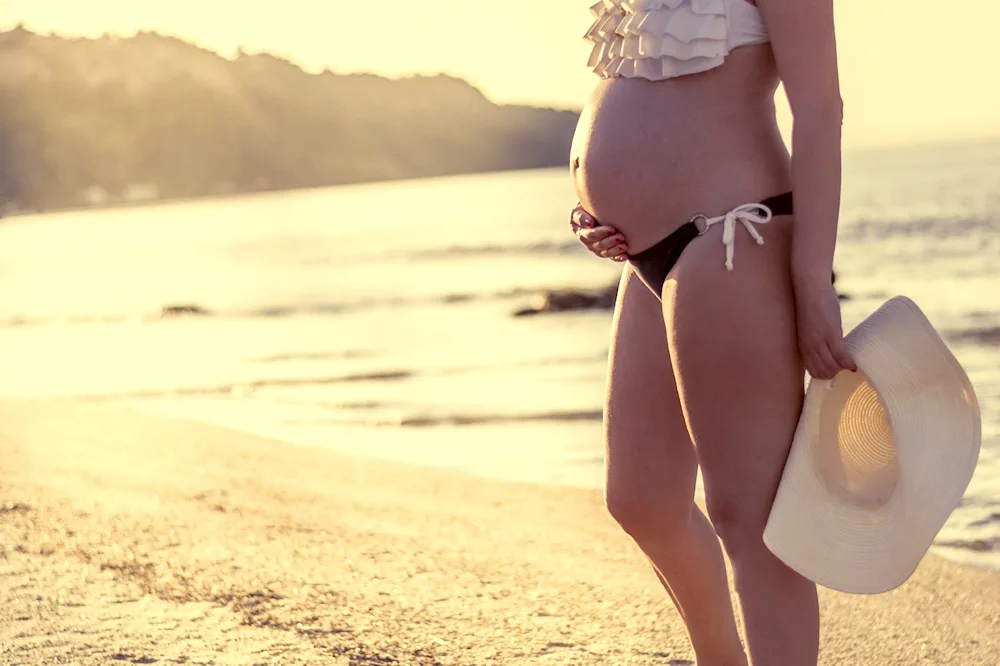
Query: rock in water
(183, 310)
(568, 300)
(572, 299)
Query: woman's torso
(647, 155)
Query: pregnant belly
(647, 156)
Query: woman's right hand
(603, 240)
(820, 332)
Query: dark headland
(116, 120)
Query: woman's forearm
(816, 178)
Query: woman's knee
(646, 510)
(739, 525)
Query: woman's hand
(602, 240)
(821, 335)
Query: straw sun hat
(880, 457)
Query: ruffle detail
(657, 39)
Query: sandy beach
(128, 538)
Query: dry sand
(134, 539)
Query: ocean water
(377, 319)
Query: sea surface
(377, 319)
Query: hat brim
(866, 544)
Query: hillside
(111, 119)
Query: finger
(820, 363)
(591, 236)
(816, 371)
(842, 357)
(609, 243)
(612, 252)
(595, 234)
(582, 218)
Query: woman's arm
(802, 36)
(804, 44)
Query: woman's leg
(733, 345)
(651, 472)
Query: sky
(911, 72)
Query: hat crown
(925, 393)
(856, 448)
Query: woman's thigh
(651, 464)
(739, 373)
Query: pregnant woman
(726, 296)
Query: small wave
(341, 307)
(988, 545)
(486, 419)
(313, 356)
(22, 322)
(563, 247)
(276, 311)
(247, 387)
(457, 251)
(992, 519)
(929, 227)
(238, 388)
(986, 336)
(451, 420)
(452, 252)
(367, 405)
(978, 501)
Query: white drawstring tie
(748, 215)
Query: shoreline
(135, 538)
(210, 197)
(450, 453)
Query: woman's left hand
(603, 240)
(820, 332)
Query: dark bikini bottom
(654, 264)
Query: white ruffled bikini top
(663, 39)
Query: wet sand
(127, 538)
